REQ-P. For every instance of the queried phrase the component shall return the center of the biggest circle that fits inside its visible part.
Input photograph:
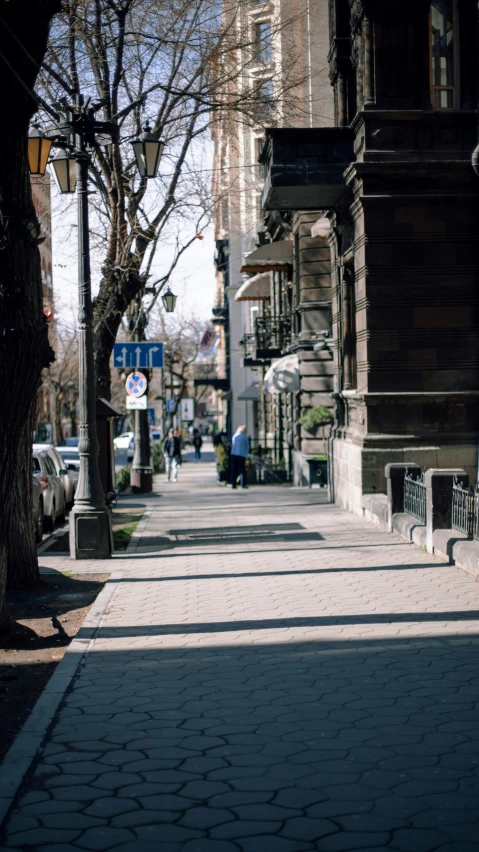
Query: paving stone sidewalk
(272, 674)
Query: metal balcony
(272, 336)
(304, 167)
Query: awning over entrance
(283, 376)
(255, 289)
(269, 258)
(250, 393)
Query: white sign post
(137, 403)
(187, 409)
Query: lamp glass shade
(169, 301)
(148, 150)
(38, 151)
(64, 171)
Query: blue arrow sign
(149, 354)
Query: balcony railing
(270, 337)
(273, 335)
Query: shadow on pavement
(185, 628)
(302, 746)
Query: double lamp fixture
(146, 148)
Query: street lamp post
(90, 520)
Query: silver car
(53, 492)
(37, 494)
(71, 461)
(61, 471)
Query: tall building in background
(42, 202)
(281, 56)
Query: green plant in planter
(320, 415)
(123, 478)
(157, 458)
(222, 458)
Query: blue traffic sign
(170, 406)
(149, 354)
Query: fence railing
(464, 509)
(475, 520)
(415, 497)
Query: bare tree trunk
(24, 347)
(109, 307)
(58, 438)
(22, 565)
(73, 419)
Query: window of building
(225, 214)
(262, 47)
(444, 54)
(265, 100)
(258, 147)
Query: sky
(193, 280)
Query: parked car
(155, 436)
(72, 442)
(125, 441)
(53, 492)
(37, 509)
(61, 471)
(71, 461)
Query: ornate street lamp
(169, 301)
(64, 167)
(39, 147)
(76, 132)
(148, 150)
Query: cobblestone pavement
(272, 675)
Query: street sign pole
(141, 471)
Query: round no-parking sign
(136, 384)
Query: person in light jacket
(239, 454)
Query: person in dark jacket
(172, 454)
(197, 443)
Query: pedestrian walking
(197, 443)
(172, 454)
(239, 454)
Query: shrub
(222, 458)
(157, 459)
(320, 415)
(123, 478)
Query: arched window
(444, 51)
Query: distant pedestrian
(172, 454)
(197, 443)
(239, 454)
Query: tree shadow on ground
(323, 744)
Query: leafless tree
(169, 64)
(61, 379)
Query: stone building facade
(281, 41)
(394, 175)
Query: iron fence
(475, 520)
(464, 509)
(415, 497)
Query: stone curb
(134, 542)
(22, 752)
